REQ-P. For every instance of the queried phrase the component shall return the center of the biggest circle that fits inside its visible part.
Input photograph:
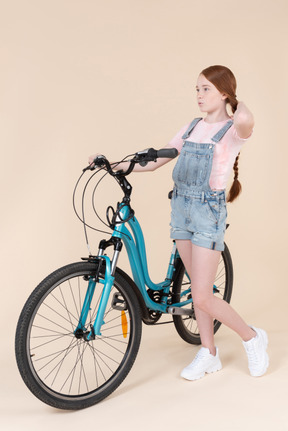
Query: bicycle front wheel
(186, 326)
(61, 367)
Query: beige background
(116, 77)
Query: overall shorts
(198, 212)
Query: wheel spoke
(66, 350)
(113, 347)
(47, 342)
(102, 355)
(48, 306)
(53, 322)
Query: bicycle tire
(187, 326)
(60, 369)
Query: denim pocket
(191, 168)
(213, 210)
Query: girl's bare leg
(204, 320)
(201, 264)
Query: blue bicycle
(79, 332)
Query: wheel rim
(69, 366)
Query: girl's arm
(151, 166)
(243, 121)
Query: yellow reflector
(124, 323)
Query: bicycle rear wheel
(186, 326)
(60, 367)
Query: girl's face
(208, 97)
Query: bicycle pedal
(118, 302)
(179, 311)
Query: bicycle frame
(135, 246)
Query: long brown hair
(225, 82)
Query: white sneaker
(203, 363)
(258, 359)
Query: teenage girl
(209, 150)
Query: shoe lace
(253, 355)
(199, 356)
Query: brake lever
(97, 162)
(89, 167)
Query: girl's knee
(203, 302)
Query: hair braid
(236, 187)
(225, 82)
(233, 102)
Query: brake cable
(82, 219)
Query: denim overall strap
(219, 135)
(191, 127)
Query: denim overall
(198, 212)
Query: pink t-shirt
(225, 152)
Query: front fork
(110, 268)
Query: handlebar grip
(169, 153)
(151, 155)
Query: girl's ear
(224, 96)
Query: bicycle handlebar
(141, 157)
(151, 155)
